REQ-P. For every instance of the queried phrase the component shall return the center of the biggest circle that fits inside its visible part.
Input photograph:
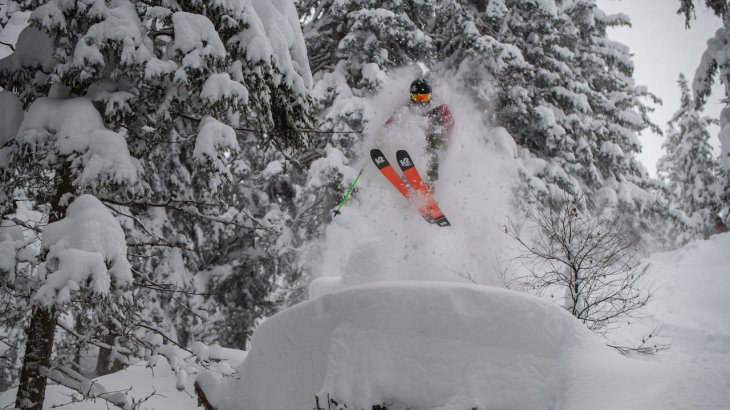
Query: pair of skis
(419, 192)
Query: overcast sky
(663, 48)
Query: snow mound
(417, 345)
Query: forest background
(169, 169)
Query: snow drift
(415, 345)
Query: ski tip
(442, 221)
(378, 158)
(404, 160)
(401, 153)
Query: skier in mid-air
(440, 124)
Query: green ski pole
(349, 191)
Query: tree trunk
(38, 348)
(39, 344)
(104, 364)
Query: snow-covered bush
(591, 260)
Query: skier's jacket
(441, 121)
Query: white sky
(662, 48)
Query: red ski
(414, 178)
(430, 211)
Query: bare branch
(96, 343)
(647, 346)
(593, 260)
(12, 47)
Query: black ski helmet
(420, 86)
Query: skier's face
(420, 98)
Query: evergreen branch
(159, 243)
(187, 308)
(144, 228)
(266, 132)
(25, 224)
(169, 288)
(121, 350)
(4, 340)
(163, 204)
(283, 153)
(164, 336)
(213, 218)
(186, 209)
(68, 377)
(163, 32)
(7, 359)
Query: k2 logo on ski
(379, 160)
(405, 162)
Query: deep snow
(425, 345)
(692, 284)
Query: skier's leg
(432, 172)
(433, 145)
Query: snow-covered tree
(714, 63)
(80, 269)
(177, 117)
(689, 167)
(545, 70)
(564, 89)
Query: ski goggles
(421, 98)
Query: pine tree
(559, 88)
(548, 73)
(714, 63)
(689, 167)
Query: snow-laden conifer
(713, 64)
(170, 114)
(689, 166)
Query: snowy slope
(439, 345)
(692, 304)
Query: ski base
(430, 211)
